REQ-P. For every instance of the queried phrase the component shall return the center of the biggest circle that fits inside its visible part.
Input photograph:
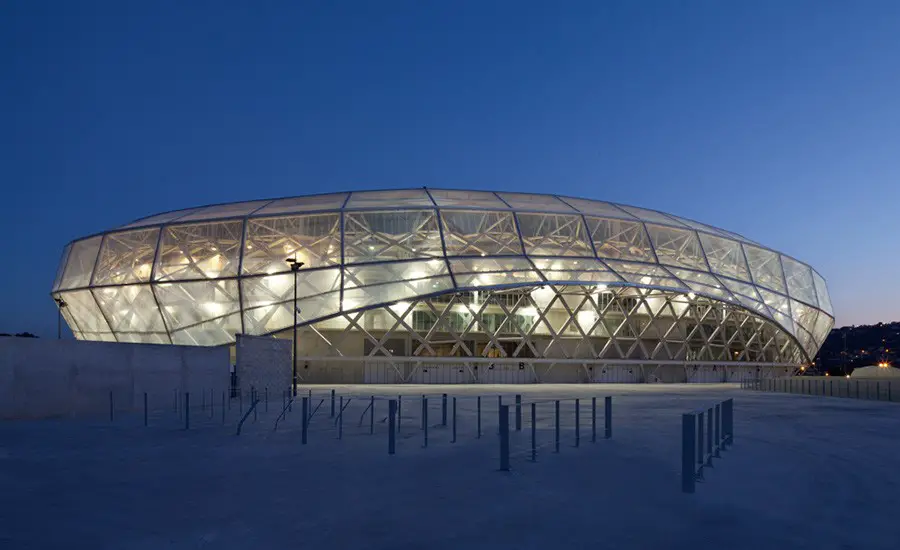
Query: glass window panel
(80, 263)
(799, 280)
(645, 274)
(271, 317)
(620, 239)
(126, 257)
(584, 270)
(822, 294)
(313, 239)
(765, 267)
(82, 310)
(725, 257)
(806, 341)
(704, 283)
(823, 327)
(487, 272)
(190, 303)
(387, 199)
(199, 251)
(367, 296)
(61, 268)
(651, 216)
(743, 289)
(276, 289)
(130, 308)
(476, 199)
(397, 235)
(373, 274)
(310, 203)
(143, 337)
(233, 210)
(211, 333)
(540, 203)
(554, 235)
(784, 321)
(598, 208)
(160, 218)
(777, 302)
(482, 233)
(678, 247)
(804, 315)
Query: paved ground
(805, 472)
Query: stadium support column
(295, 268)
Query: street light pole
(61, 304)
(295, 268)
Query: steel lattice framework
(431, 273)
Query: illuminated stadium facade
(430, 285)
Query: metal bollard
(399, 411)
(372, 416)
(718, 425)
(478, 401)
(688, 480)
(577, 423)
(341, 420)
(392, 410)
(557, 426)
(332, 403)
(444, 410)
(709, 436)
(504, 438)
(533, 432)
(304, 419)
(454, 421)
(728, 421)
(425, 421)
(700, 437)
(518, 412)
(145, 409)
(593, 419)
(607, 410)
(187, 410)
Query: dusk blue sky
(776, 119)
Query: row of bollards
(704, 433)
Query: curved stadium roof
(144, 281)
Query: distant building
(876, 371)
(551, 288)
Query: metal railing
(704, 433)
(827, 386)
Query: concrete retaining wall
(46, 378)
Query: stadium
(449, 286)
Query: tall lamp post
(61, 304)
(295, 268)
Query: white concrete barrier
(47, 378)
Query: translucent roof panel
(314, 239)
(233, 210)
(554, 235)
(480, 233)
(804, 315)
(487, 272)
(799, 280)
(392, 199)
(822, 293)
(678, 247)
(598, 208)
(651, 216)
(80, 263)
(83, 309)
(644, 274)
(126, 257)
(130, 308)
(199, 251)
(61, 268)
(704, 283)
(185, 304)
(765, 267)
(165, 217)
(620, 239)
(475, 199)
(725, 256)
(824, 323)
(311, 203)
(541, 203)
(393, 235)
